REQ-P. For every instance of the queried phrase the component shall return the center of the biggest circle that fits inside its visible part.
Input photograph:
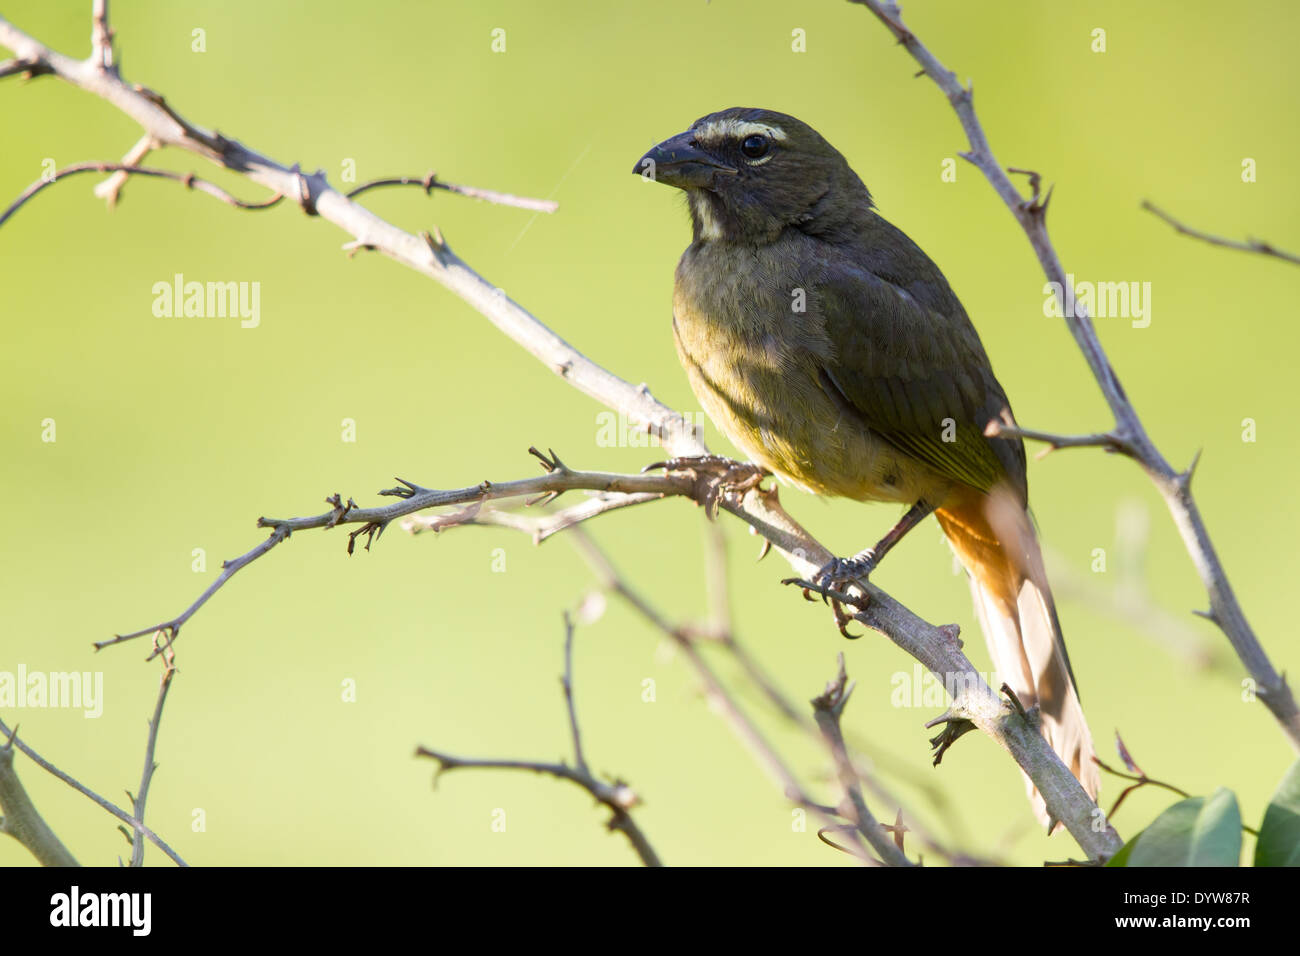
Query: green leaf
(1198, 831)
(1279, 834)
(1121, 858)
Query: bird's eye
(755, 146)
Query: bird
(830, 349)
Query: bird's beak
(679, 162)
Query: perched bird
(830, 349)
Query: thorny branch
(716, 692)
(617, 796)
(151, 744)
(430, 182)
(6, 764)
(188, 180)
(828, 707)
(1250, 245)
(430, 255)
(1129, 435)
(557, 479)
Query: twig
(146, 776)
(566, 681)
(415, 498)
(827, 709)
(110, 190)
(1129, 432)
(430, 182)
(1250, 245)
(101, 37)
(719, 631)
(740, 723)
(537, 527)
(28, 68)
(1107, 440)
(172, 628)
(617, 796)
(188, 180)
(118, 812)
(167, 127)
(975, 705)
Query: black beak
(680, 162)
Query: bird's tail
(994, 539)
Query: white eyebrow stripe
(716, 131)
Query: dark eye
(754, 146)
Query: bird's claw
(835, 575)
(715, 477)
(837, 572)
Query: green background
(176, 434)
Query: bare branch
(167, 127)
(20, 819)
(537, 527)
(373, 521)
(566, 681)
(1129, 431)
(188, 180)
(146, 776)
(431, 256)
(430, 182)
(101, 37)
(28, 68)
(716, 692)
(1250, 245)
(110, 190)
(722, 634)
(617, 796)
(118, 812)
(1107, 440)
(828, 707)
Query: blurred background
(175, 434)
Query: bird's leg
(840, 570)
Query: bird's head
(749, 174)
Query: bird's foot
(837, 572)
(831, 580)
(715, 477)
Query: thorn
(355, 246)
(946, 717)
(559, 465)
(1015, 701)
(763, 550)
(1208, 615)
(434, 240)
(546, 465)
